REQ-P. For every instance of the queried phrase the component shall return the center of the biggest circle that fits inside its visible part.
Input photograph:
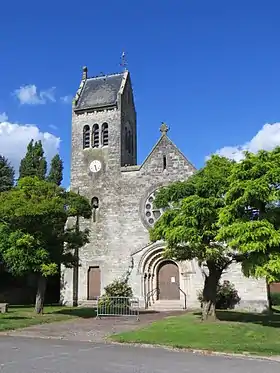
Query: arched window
(86, 137)
(105, 134)
(164, 162)
(95, 136)
(94, 206)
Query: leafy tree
(34, 163)
(56, 170)
(34, 237)
(190, 224)
(7, 174)
(250, 219)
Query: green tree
(34, 163)
(190, 224)
(33, 234)
(56, 170)
(7, 174)
(250, 219)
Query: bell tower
(103, 126)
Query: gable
(166, 157)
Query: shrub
(118, 288)
(116, 298)
(227, 296)
(275, 299)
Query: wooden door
(94, 282)
(168, 281)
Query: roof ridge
(104, 75)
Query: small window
(86, 137)
(94, 207)
(95, 136)
(164, 162)
(105, 134)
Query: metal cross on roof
(164, 128)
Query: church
(104, 168)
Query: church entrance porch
(168, 281)
(163, 282)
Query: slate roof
(99, 92)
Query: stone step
(167, 305)
(88, 303)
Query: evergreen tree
(34, 163)
(7, 174)
(56, 171)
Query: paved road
(28, 355)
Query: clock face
(95, 166)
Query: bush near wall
(116, 298)
(227, 296)
(275, 299)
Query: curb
(245, 355)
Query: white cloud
(3, 117)
(266, 139)
(30, 95)
(14, 139)
(66, 99)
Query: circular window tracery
(152, 213)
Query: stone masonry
(119, 233)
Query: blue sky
(210, 69)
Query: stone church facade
(104, 169)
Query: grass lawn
(21, 316)
(235, 332)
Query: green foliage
(56, 170)
(189, 224)
(250, 219)
(227, 296)
(7, 174)
(116, 297)
(275, 299)
(118, 288)
(34, 163)
(34, 238)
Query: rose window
(152, 213)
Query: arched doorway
(168, 281)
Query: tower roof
(99, 91)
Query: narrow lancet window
(95, 136)
(105, 134)
(86, 137)
(164, 162)
(94, 206)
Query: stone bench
(4, 307)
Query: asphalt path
(28, 355)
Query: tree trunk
(210, 293)
(41, 289)
(269, 296)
